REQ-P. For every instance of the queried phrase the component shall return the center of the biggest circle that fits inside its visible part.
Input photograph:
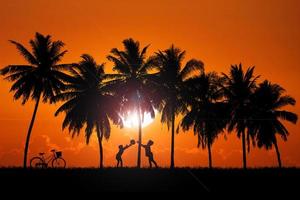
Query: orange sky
(221, 32)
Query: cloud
(228, 153)
(12, 157)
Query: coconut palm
(41, 78)
(208, 115)
(238, 88)
(172, 75)
(132, 82)
(88, 103)
(268, 102)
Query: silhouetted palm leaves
(238, 88)
(208, 103)
(88, 103)
(133, 83)
(171, 78)
(208, 115)
(41, 78)
(268, 101)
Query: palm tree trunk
(172, 140)
(209, 155)
(29, 131)
(277, 153)
(140, 134)
(100, 137)
(244, 150)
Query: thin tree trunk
(172, 140)
(140, 143)
(100, 138)
(29, 131)
(244, 150)
(209, 155)
(277, 153)
(140, 134)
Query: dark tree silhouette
(238, 88)
(268, 101)
(172, 76)
(88, 103)
(41, 78)
(132, 82)
(208, 115)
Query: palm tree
(208, 115)
(238, 88)
(268, 101)
(172, 76)
(41, 78)
(133, 82)
(88, 103)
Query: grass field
(150, 180)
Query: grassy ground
(150, 180)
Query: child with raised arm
(121, 151)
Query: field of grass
(150, 180)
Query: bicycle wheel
(37, 162)
(58, 163)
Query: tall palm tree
(268, 102)
(41, 78)
(208, 115)
(172, 75)
(88, 103)
(132, 82)
(238, 88)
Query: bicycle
(55, 159)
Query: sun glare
(131, 121)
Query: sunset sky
(265, 34)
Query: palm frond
(11, 69)
(25, 53)
(285, 101)
(286, 115)
(190, 67)
(58, 57)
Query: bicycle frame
(48, 159)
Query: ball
(132, 142)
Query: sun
(131, 121)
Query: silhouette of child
(121, 151)
(149, 153)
